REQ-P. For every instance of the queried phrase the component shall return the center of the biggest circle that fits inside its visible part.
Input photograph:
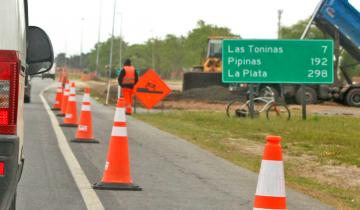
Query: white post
(120, 53)
(153, 49)
(98, 43)
(81, 42)
(280, 12)
(110, 59)
(65, 61)
(121, 22)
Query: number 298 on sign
(316, 73)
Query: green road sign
(278, 61)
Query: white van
(50, 74)
(24, 50)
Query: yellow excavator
(209, 73)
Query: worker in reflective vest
(127, 80)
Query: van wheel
(310, 96)
(353, 97)
(13, 203)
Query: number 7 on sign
(324, 48)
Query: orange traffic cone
(61, 77)
(58, 97)
(84, 133)
(117, 168)
(270, 191)
(64, 99)
(70, 119)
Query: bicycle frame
(268, 105)
(267, 100)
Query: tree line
(174, 53)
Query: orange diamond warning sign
(150, 89)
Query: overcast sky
(143, 19)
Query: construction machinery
(210, 72)
(337, 18)
(340, 20)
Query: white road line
(89, 196)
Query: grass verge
(321, 154)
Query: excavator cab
(214, 54)
(214, 48)
(209, 72)
(213, 58)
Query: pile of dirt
(212, 93)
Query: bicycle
(267, 103)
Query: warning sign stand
(151, 89)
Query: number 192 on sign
(319, 61)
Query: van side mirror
(40, 55)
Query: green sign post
(278, 61)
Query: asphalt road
(173, 173)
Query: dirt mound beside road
(214, 98)
(212, 93)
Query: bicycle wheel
(237, 108)
(278, 112)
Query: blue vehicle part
(340, 15)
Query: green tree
(295, 31)
(170, 54)
(196, 41)
(60, 60)
(350, 65)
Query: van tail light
(2, 168)
(9, 90)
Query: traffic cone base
(116, 186)
(68, 125)
(85, 141)
(60, 115)
(270, 202)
